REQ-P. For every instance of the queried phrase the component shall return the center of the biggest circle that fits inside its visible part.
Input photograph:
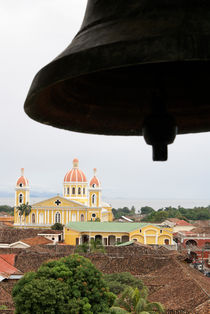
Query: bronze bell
(138, 67)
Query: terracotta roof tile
(179, 222)
(9, 258)
(39, 240)
(7, 269)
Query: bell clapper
(159, 130)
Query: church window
(33, 218)
(83, 190)
(161, 231)
(82, 218)
(68, 191)
(140, 230)
(93, 185)
(73, 190)
(79, 190)
(93, 199)
(20, 198)
(57, 217)
(93, 215)
(21, 184)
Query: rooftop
(105, 226)
(179, 222)
(39, 240)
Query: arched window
(93, 199)
(191, 243)
(68, 191)
(21, 184)
(58, 217)
(33, 218)
(79, 190)
(73, 190)
(20, 198)
(82, 217)
(83, 191)
(93, 185)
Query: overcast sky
(32, 33)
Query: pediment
(58, 201)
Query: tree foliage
(69, 285)
(146, 210)
(57, 226)
(94, 246)
(23, 210)
(118, 282)
(196, 213)
(135, 301)
(7, 209)
(125, 211)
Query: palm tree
(23, 209)
(135, 301)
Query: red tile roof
(9, 258)
(6, 269)
(37, 241)
(179, 222)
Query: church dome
(75, 174)
(94, 182)
(22, 180)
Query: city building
(81, 201)
(76, 233)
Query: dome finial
(75, 163)
(22, 172)
(94, 171)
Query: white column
(86, 215)
(145, 239)
(77, 215)
(62, 216)
(45, 216)
(37, 221)
(156, 239)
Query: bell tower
(22, 190)
(94, 191)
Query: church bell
(138, 67)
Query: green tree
(69, 285)
(7, 209)
(117, 282)
(146, 210)
(57, 226)
(135, 301)
(23, 210)
(94, 246)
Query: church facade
(81, 202)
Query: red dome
(75, 174)
(22, 181)
(94, 182)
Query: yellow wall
(149, 235)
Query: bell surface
(129, 61)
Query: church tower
(94, 191)
(22, 190)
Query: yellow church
(81, 202)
